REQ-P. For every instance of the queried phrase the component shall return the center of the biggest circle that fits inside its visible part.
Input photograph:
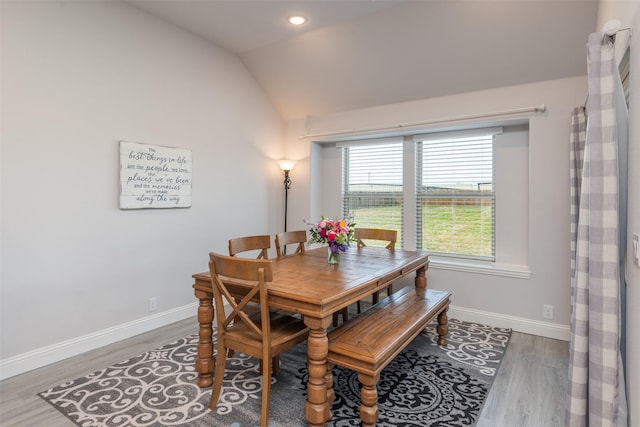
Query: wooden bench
(370, 341)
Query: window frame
(513, 187)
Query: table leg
(319, 396)
(421, 285)
(205, 363)
(421, 278)
(443, 327)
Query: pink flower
(337, 233)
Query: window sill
(479, 267)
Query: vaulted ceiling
(362, 53)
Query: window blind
(372, 184)
(455, 197)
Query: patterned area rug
(425, 385)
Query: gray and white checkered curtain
(595, 365)
(576, 157)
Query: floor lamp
(286, 166)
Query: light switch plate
(636, 249)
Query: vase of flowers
(336, 233)
(333, 258)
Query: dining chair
(251, 243)
(259, 243)
(289, 238)
(378, 234)
(377, 237)
(264, 334)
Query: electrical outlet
(547, 311)
(153, 304)
(636, 249)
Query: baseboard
(54, 353)
(519, 324)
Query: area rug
(425, 385)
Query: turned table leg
(443, 327)
(421, 278)
(205, 363)
(317, 407)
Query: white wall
(77, 77)
(628, 13)
(502, 301)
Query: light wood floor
(529, 390)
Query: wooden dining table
(307, 284)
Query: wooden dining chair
(289, 238)
(378, 237)
(260, 243)
(251, 243)
(264, 334)
(377, 234)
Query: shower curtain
(595, 393)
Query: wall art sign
(153, 176)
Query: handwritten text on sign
(152, 176)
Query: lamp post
(286, 166)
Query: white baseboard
(54, 353)
(519, 324)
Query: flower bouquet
(337, 233)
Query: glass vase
(333, 258)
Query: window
(506, 253)
(455, 199)
(625, 76)
(372, 184)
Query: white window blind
(455, 197)
(372, 189)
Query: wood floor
(529, 390)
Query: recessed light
(297, 20)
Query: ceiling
(362, 53)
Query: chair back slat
(251, 243)
(288, 238)
(379, 234)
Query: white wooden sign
(152, 176)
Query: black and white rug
(425, 385)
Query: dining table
(307, 284)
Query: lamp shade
(286, 165)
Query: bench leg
(443, 328)
(369, 396)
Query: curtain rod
(496, 114)
(624, 29)
(614, 26)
